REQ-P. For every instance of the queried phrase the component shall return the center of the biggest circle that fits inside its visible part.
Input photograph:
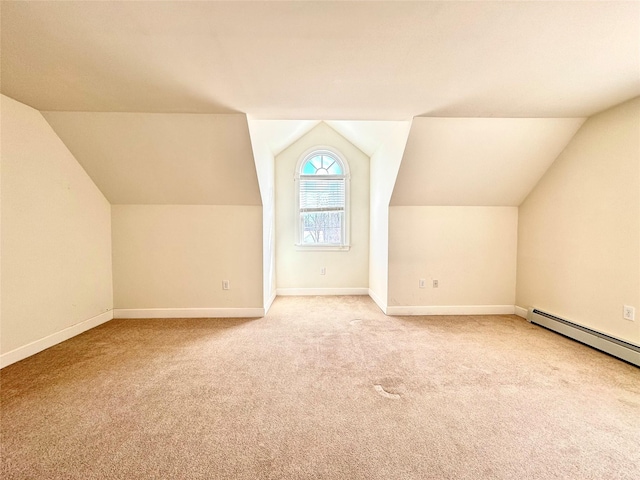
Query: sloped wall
(478, 161)
(56, 239)
(453, 215)
(163, 158)
(186, 209)
(579, 229)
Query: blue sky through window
(322, 164)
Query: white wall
(301, 269)
(471, 251)
(176, 256)
(56, 238)
(265, 169)
(385, 163)
(579, 232)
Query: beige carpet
(321, 388)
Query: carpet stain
(386, 394)
(629, 402)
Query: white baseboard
(378, 301)
(285, 292)
(521, 312)
(270, 302)
(188, 312)
(32, 348)
(452, 310)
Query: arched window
(322, 194)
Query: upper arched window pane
(322, 164)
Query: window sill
(319, 248)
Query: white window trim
(345, 246)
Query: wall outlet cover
(629, 313)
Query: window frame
(346, 175)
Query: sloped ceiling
(277, 135)
(366, 65)
(156, 158)
(478, 161)
(368, 136)
(330, 60)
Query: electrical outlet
(323, 271)
(225, 285)
(629, 313)
(435, 284)
(421, 283)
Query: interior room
(324, 239)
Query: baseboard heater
(606, 343)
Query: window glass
(322, 200)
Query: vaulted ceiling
(124, 84)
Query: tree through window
(322, 190)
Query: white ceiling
(478, 161)
(277, 135)
(368, 136)
(513, 72)
(159, 158)
(323, 60)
